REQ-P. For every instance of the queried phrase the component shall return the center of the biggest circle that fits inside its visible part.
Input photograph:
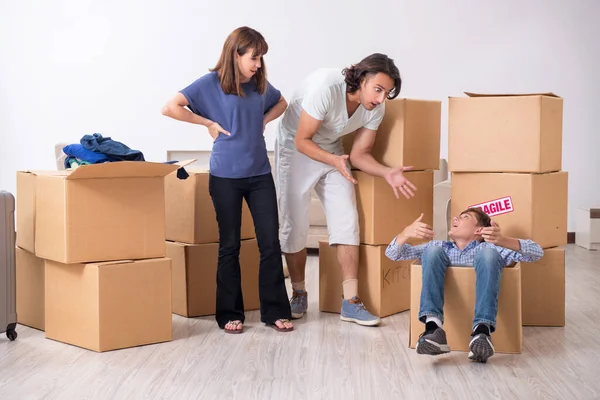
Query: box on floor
(30, 281)
(110, 305)
(523, 132)
(194, 277)
(543, 289)
(383, 285)
(459, 306)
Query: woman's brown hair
(240, 41)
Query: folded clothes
(95, 149)
(114, 151)
(78, 151)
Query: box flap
(44, 173)
(471, 94)
(116, 262)
(126, 169)
(198, 170)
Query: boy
(476, 241)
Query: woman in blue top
(235, 102)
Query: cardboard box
(26, 190)
(190, 214)
(101, 212)
(543, 289)
(382, 216)
(409, 134)
(194, 277)
(111, 305)
(526, 206)
(459, 309)
(522, 132)
(383, 284)
(30, 277)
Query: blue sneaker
(354, 310)
(299, 303)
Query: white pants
(296, 176)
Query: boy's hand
(418, 230)
(492, 234)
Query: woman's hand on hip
(214, 129)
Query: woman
(235, 102)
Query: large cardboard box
(409, 134)
(101, 212)
(111, 305)
(543, 284)
(25, 212)
(30, 277)
(526, 206)
(190, 213)
(383, 284)
(505, 133)
(194, 277)
(459, 308)
(382, 216)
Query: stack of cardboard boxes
(505, 155)
(409, 135)
(193, 246)
(91, 256)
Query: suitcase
(8, 311)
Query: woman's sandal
(283, 321)
(235, 325)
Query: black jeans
(227, 196)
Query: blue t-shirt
(244, 153)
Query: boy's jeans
(488, 271)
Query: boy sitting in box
(478, 242)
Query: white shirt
(323, 96)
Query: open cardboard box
(459, 306)
(97, 212)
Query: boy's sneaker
(354, 310)
(481, 347)
(433, 341)
(299, 303)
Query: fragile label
(496, 207)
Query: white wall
(73, 67)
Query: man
(309, 155)
(476, 241)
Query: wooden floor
(323, 359)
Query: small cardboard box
(194, 282)
(505, 133)
(543, 284)
(409, 134)
(526, 206)
(383, 284)
(459, 306)
(102, 212)
(190, 214)
(30, 276)
(111, 305)
(382, 216)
